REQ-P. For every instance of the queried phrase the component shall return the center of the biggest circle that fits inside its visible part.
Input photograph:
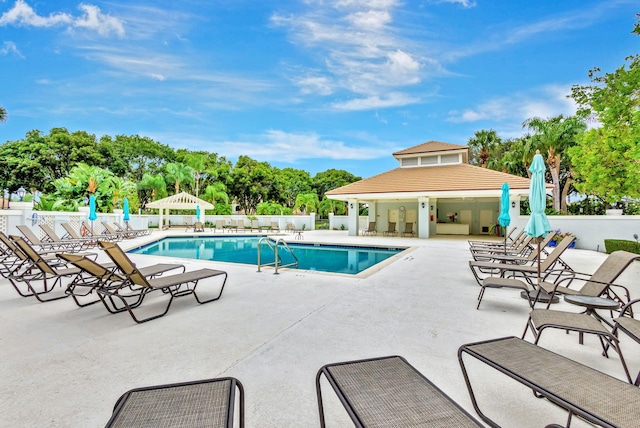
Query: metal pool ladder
(277, 262)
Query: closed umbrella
(198, 212)
(125, 208)
(538, 225)
(504, 219)
(92, 211)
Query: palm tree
(179, 173)
(307, 202)
(153, 183)
(197, 162)
(482, 145)
(216, 193)
(332, 206)
(555, 136)
(3, 114)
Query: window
(450, 158)
(429, 160)
(410, 162)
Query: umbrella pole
(539, 265)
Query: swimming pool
(343, 259)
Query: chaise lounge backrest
(124, 263)
(609, 271)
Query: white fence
(590, 230)
(23, 214)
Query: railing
(277, 262)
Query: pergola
(181, 201)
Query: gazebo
(180, 201)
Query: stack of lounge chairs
(49, 270)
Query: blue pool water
(244, 249)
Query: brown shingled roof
(459, 177)
(430, 147)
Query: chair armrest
(627, 307)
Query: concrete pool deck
(66, 366)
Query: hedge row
(612, 245)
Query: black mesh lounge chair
(106, 275)
(522, 251)
(13, 260)
(114, 235)
(371, 229)
(408, 230)
(581, 390)
(77, 244)
(203, 403)
(391, 230)
(508, 240)
(34, 240)
(127, 228)
(596, 285)
(171, 286)
(528, 273)
(41, 277)
(629, 325)
(123, 231)
(390, 392)
(220, 225)
(600, 282)
(70, 232)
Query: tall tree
(607, 158)
(307, 202)
(197, 162)
(555, 136)
(251, 182)
(3, 114)
(482, 145)
(295, 182)
(151, 187)
(177, 174)
(133, 156)
(332, 179)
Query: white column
(423, 218)
(354, 210)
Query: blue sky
(309, 84)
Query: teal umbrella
(125, 208)
(504, 219)
(92, 211)
(198, 212)
(538, 225)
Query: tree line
(68, 167)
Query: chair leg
(214, 298)
(480, 297)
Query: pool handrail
(274, 248)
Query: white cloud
(278, 145)
(92, 18)
(319, 85)
(374, 102)
(370, 19)
(23, 14)
(10, 47)
(548, 101)
(463, 3)
(358, 48)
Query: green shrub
(612, 245)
